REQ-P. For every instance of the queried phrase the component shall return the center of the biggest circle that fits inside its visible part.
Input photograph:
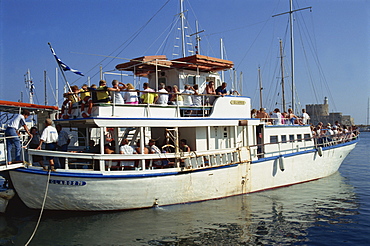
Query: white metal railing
(102, 162)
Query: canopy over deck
(13, 107)
(145, 65)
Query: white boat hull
(102, 191)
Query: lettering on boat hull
(67, 182)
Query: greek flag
(63, 65)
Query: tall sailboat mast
(282, 76)
(182, 17)
(290, 12)
(261, 88)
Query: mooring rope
(42, 210)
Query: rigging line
(172, 25)
(42, 209)
(308, 65)
(252, 43)
(132, 37)
(234, 29)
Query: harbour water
(330, 211)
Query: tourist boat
(231, 152)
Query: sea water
(330, 211)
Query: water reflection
(282, 216)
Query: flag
(63, 65)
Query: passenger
(187, 98)
(261, 114)
(108, 149)
(126, 149)
(153, 148)
(12, 132)
(116, 95)
(92, 148)
(149, 96)
(276, 117)
(34, 143)
(102, 95)
(221, 90)
(71, 97)
(176, 98)
(284, 119)
(102, 92)
(62, 143)
(169, 89)
(84, 92)
(183, 146)
(130, 95)
(305, 117)
(291, 117)
(138, 148)
(254, 113)
(197, 98)
(50, 137)
(211, 93)
(162, 95)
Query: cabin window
(299, 137)
(283, 138)
(307, 137)
(191, 80)
(225, 132)
(273, 139)
(291, 138)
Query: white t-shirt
(305, 118)
(130, 96)
(49, 135)
(162, 98)
(127, 150)
(197, 99)
(117, 97)
(187, 98)
(17, 122)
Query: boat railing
(283, 121)
(198, 108)
(108, 162)
(318, 141)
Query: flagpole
(60, 68)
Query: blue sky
(332, 44)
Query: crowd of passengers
(322, 134)
(327, 134)
(121, 93)
(278, 118)
(126, 149)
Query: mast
(282, 77)
(29, 85)
(222, 57)
(290, 12)
(292, 51)
(46, 95)
(182, 17)
(260, 83)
